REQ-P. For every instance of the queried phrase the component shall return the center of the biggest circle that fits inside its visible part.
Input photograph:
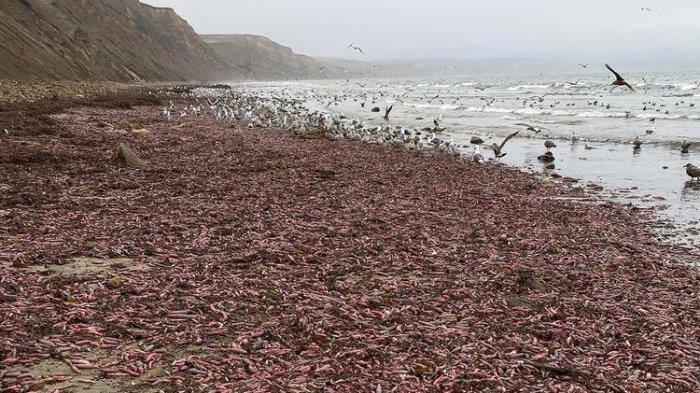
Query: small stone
(516, 301)
(18, 264)
(114, 283)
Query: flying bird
(387, 111)
(646, 9)
(498, 149)
(583, 65)
(619, 80)
(437, 126)
(532, 128)
(357, 48)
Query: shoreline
(291, 263)
(653, 175)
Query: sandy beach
(249, 259)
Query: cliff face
(259, 58)
(118, 40)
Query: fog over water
(595, 31)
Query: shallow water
(606, 121)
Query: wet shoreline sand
(273, 262)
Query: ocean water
(664, 111)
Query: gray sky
(588, 30)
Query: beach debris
(126, 157)
(482, 278)
(549, 144)
(376, 109)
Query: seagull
(475, 140)
(692, 171)
(477, 157)
(685, 146)
(546, 158)
(532, 128)
(387, 111)
(646, 9)
(166, 113)
(357, 48)
(583, 65)
(637, 143)
(619, 81)
(497, 149)
(437, 126)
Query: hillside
(263, 59)
(117, 40)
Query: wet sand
(277, 263)
(650, 177)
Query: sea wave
(522, 87)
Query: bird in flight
(619, 80)
(387, 111)
(532, 128)
(646, 9)
(498, 149)
(583, 65)
(357, 48)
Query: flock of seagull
(278, 111)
